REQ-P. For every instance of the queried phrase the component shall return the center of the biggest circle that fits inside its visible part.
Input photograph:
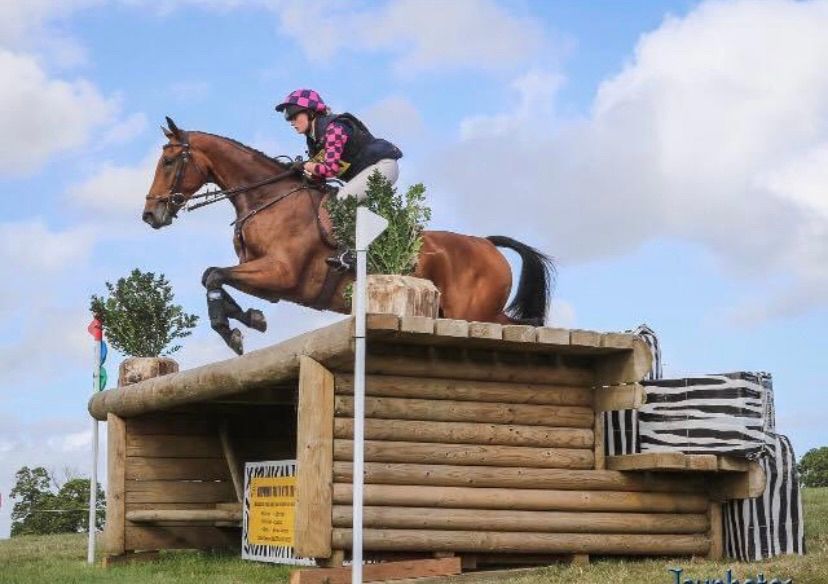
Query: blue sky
(672, 155)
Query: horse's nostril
(147, 217)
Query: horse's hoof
(236, 341)
(257, 320)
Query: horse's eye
(167, 161)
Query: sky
(672, 156)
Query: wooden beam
(598, 447)
(739, 485)
(648, 461)
(523, 499)
(625, 366)
(620, 397)
(115, 534)
(265, 367)
(382, 572)
(184, 515)
(524, 542)
(232, 461)
(444, 475)
(715, 531)
(314, 460)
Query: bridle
(175, 200)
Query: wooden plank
(444, 475)
(584, 338)
(739, 485)
(173, 446)
(467, 433)
(552, 336)
(114, 537)
(520, 542)
(171, 423)
(617, 340)
(733, 464)
(523, 499)
(149, 469)
(529, 521)
(519, 333)
(468, 390)
(314, 460)
(701, 462)
(381, 572)
(204, 537)
(485, 330)
(179, 492)
(715, 531)
(231, 460)
(491, 369)
(184, 515)
(626, 366)
(648, 461)
(620, 397)
(459, 411)
(467, 454)
(417, 324)
(598, 446)
(263, 368)
(382, 322)
(447, 327)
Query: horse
(282, 246)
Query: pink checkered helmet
(305, 99)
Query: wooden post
(115, 537)
(598, 447)
(716, 533)
(232, 461)
(314, 445)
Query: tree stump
(402, 296)
(135, 369)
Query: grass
(60, 559)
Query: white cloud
(116, 190)
(394, 118)
(30, 246)
(190, 91)
(715, 132)
(126, 129)
(462, 34)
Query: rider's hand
(309, 168)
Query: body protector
(362, 149)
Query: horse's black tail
(537, 279)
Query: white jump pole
(368, 227)
(93, 475)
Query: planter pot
(402, 296)
(135, 369)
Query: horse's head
(180, 172)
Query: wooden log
(523, 499)
(485, 330)
(153, 469)
(519, 333)
(648, 461)
(598, 446)
(529, 521)
(231, 460)
(626, 366)
(133, 370)
(477, 370)
(381, 572)
(508, 542)
(184, 515)
(739, 485)
(583, 338)
(617, 340)
(467, 454)
(459, 411)
(179, 492)
(447, 327)
(314, 460)
(702, 462)
(173, 446)
(151, 537)
(402, 296)
(465, 390)
(552, 336)
(171, 423)
(620, 397)
(262, 368)
(467, 433)
(715, 531)
(443, 475)
(115, 534)
(382, 322)
(422, 325)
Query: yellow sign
(272, 502)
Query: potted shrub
(392, 258)
(142, 321)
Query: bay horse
(282, 248)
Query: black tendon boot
(343, 260)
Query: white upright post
(368, 226)
(93, 478)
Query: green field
(60, 559)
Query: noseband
(175, 199)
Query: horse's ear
(167, 133)
(173, 128)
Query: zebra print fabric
(770, 525)
(710, 414)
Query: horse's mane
(257, 153)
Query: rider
(339, 146)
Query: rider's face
(301, 123)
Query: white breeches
(357, 186)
